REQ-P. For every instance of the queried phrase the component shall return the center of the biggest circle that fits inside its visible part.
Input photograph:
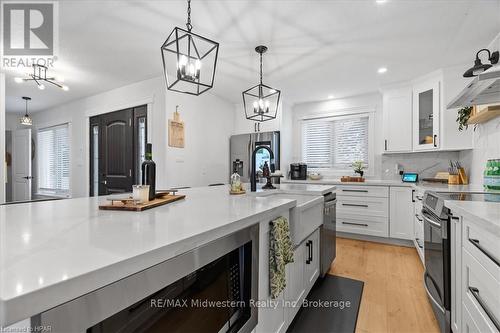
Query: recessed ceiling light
(330, 96)
(380, 1)
(382, 70)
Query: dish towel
(280, 254)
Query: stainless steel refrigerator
(242, 146)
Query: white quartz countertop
(54, 251)
(487, 214)
(298, 188)
(426, 186)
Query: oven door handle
(439, 306)
(428, 219)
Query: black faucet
(253, 175)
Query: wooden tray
(130, 205)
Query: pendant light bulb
(41, 86)
(18, 80)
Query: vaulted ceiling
(316, 48)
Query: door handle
(475, 292)
(308, 260)
(105, 182)
(434, 141)
(439, 306)
(28, 177)
(311, 249)
(352, 223)
(361, 191)
(385, 144)
(355, 205)
(418, 218)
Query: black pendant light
(479, 67)
(26, 120)
(261, 101)
(189, 60)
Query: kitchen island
(53, 252)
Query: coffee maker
(298, 171)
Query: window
(335, 143)
(53, 160)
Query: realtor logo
(29, 32)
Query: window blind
(53, 160)
(335, 143)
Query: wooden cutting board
(129, 205)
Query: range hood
(484, 89)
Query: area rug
(332, 307)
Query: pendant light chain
(261, 68)
(188, 24)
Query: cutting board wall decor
(176, 131)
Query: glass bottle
(148, 168)
(235, 182)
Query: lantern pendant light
(26, 120)
(261, 102)
(189, 60)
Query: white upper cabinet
(397, 119)
(415, 117)
(426, 114)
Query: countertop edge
(456, 208)
(26, 305)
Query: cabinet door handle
(418, 243)
(352, 223)
(385, 145)
(355, 205)
(475, 292)
(418, 218)
(412, 195)
(435, 139)
(475, 242)
(308, 260)
(362, 191)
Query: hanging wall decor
(189, 60)
(261, 102)
(176, 130)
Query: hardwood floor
(394, 299)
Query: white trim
(3, 165)
(148, 101)
(341, 112)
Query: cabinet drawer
(363, 191)
(469, 325)
(483, 245)
(375, 226)
(363, 206)
(480, 293)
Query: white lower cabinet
(401, 212)
(301, 275)
(475, 277)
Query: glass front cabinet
(426, 109)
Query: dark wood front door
(115, 150)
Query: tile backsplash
(426, 164)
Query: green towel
(280, 254)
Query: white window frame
(42, 192)
(334, 172)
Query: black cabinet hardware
(354, 205)
(475, 242)
(352, 223)
(361, 191)
(435, 140)
(385, 144)
(418, 218)
(475, 292)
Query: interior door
(21, 165)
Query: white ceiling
(316, 48)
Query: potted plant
(463, 117)
(358, 167)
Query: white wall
(371, 101)
(2, 138)
(208, 127)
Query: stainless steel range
(437, 276)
